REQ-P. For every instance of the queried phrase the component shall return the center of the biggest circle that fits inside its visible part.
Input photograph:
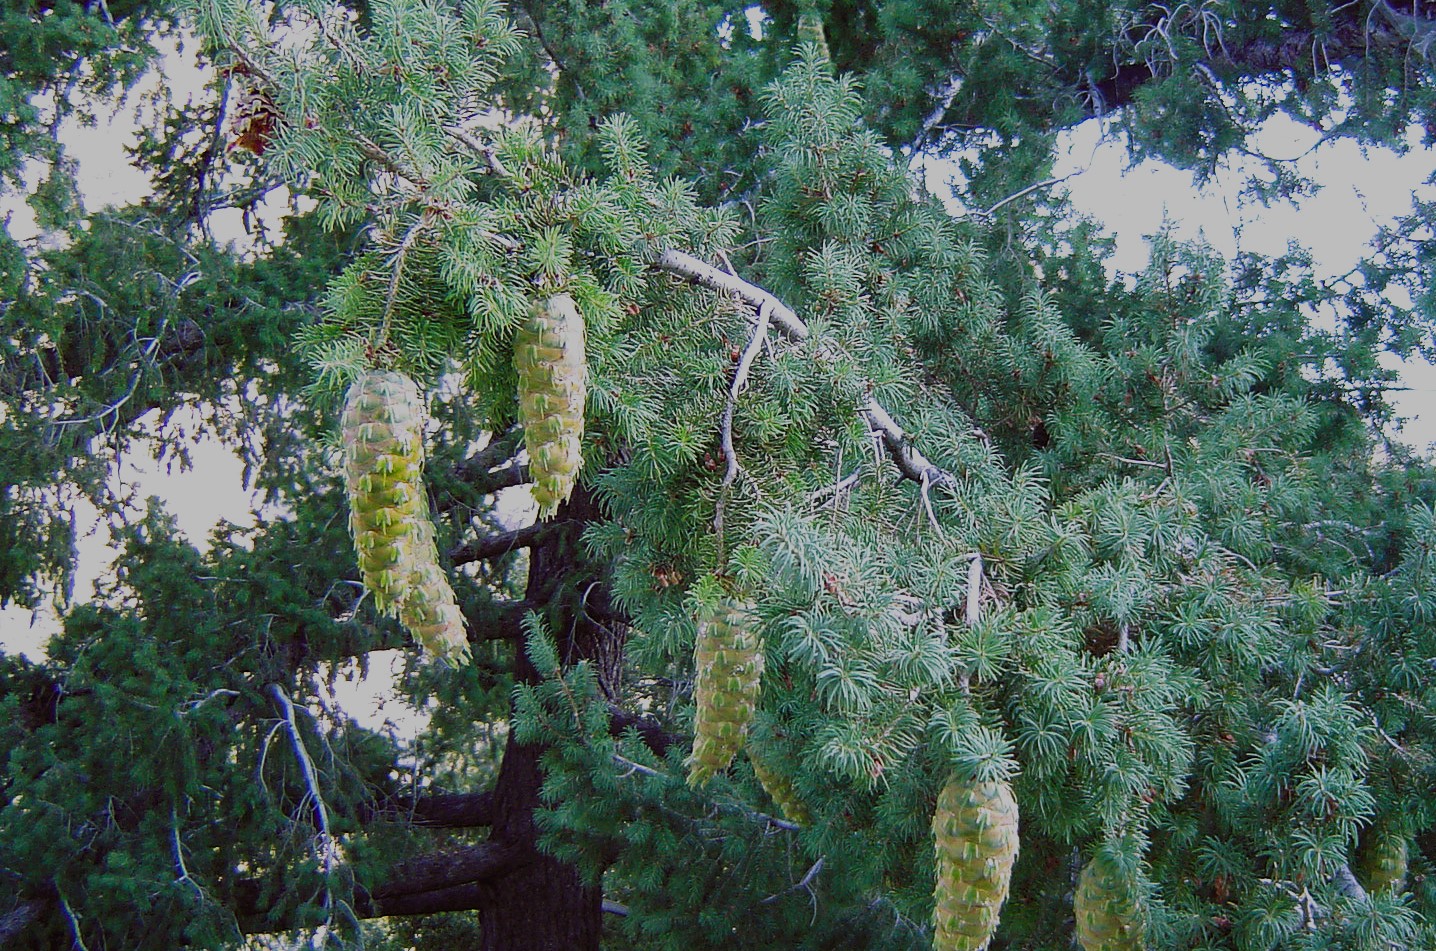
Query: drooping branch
(1345, 44)
(908, 458)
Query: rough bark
(543, 905)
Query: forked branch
(908, 458)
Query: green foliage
(1157, 579)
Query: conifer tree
(865, 528)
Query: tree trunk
(543, 905)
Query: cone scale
(975, 836)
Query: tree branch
(456, 879)
(649, 730)
(434, 810)
(496, 545)
(909, 460)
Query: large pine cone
(383, 433)
(383, 437)
(1106, 909)
(729, 661)
(429, 609)
(975, 833)
(779, 788)
(1381, 859)
(549, 358)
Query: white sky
(1361, 192)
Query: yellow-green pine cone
(810, 30)
(1106, 909)
(551, 366)
(429, 609)
(1381, 860)
(729, 662)
(779, 788)
(974, 833)
(383, 435)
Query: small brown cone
(254, 118)
(1106, 909)
(729, 662)
(551, 365)
(974, 832)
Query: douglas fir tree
(899, 579)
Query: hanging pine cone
(810, 30)
(1381, 859)
(383, 436)
(429, 609)
(729, 662)
(779, 788)
(254, 117)
(1106, 909)
(549, 358)
(975, 834)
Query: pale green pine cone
(779, 788)
(429, 609)
(1106, 909)
(729, 662)
(551, 365)
(382, 429)
(1381, 859)
(975, 836)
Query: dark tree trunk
(543, 905)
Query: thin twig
(409, 238)
(740, 380)
(70, 917)
(184, 875)
(326, 845)
(486, 151)
(1045, 183)
(801, 883)
(909, 460)
(836, 489)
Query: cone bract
(729, 662)
(549, 358)
(975, 835)
(1105, 906)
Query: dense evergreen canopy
(902, 540)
